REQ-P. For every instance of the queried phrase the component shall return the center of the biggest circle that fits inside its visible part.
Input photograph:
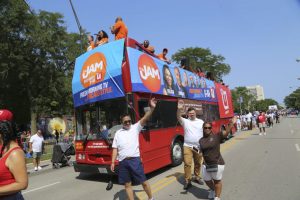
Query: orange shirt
(121, 30)
(91, 46)
(102, 41)
(162, 57)
(151, 49)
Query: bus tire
(176, 153)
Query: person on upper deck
(184, 64)
(91, 43)
(102, 38)
(162, 56)
(147, 46)
(119, 29)
(200, 72)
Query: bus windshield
(99, 120)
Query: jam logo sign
(149, 73)
(224, 99)
(93, 70)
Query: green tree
(199, 57)
(263, 105)
(37, 62)
(293, 100)
(247, 99)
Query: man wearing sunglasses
(126, 148)
(192, 134)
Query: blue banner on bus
(97, 75)
(149, 74)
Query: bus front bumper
(94, 169)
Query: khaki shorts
(262, 125)
(36, 154)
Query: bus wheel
(177, 153)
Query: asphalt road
(257, 167)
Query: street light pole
(78, 23)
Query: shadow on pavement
(198, 192)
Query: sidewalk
(46, 166)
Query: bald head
(118, 19)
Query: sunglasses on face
(127, 122)
(207, 127)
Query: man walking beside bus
(126, 148)
(193, 132)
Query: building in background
(257, 91)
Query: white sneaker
(265, 133)
(39, 168)
(217, 198)
(260, 134)
(35, 168)
(211, 194)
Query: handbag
(211, 168)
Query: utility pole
(78, 24)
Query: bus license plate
(102, 170)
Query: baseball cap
(5, 115)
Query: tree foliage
(263, 105)
(199, 57)
(247, 100)
(293, 100)
(37, 60)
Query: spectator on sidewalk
(36, 147)
(214, 164)
(262, 122)
(126, 148)
(13, 172)
(193, 132)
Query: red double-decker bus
(120, 77)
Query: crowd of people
(201, 147)
(258, 119)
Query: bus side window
(154, 121)
(167, 113)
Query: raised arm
(180, 107)
(229, 127)
(148, 114)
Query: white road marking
(297, 147)
(40, 188)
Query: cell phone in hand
(196, 149)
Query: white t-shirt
(127, 142)
(193, 131)
(37, 142)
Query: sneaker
(217, 198)
(187, 185)
(35, 168)
(265, 133)
(260, 134)
(211, 194)
(199, 181)
(39, 168)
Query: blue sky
(260, 39)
